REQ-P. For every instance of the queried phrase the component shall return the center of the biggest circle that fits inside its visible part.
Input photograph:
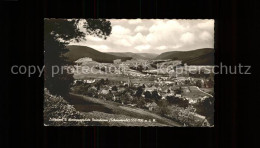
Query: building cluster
(117, 61)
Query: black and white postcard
(129, 72)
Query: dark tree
(114, 88)
(155, 95)
(140, 103)
(178, 101)
(163, 107)
(91, 92)
(99, 83)
(102, 81)
(206, 108)
(187, 81)
(140, 68)
(148, 95)
(210, 83)
(154, 65)
(199, 83)
(178, 91)
(139, 91)
(107, 81)
(98, 87)
(57, 35)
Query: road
(108, 108)
(204, 92)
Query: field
(208, 90)
(194, 93)
(111, 77)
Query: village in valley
(169, 88)
(129, 72)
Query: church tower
(129, 82)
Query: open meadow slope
(203, 56)
(76, 52)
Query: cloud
(167, 47)
(209, 25)
(161, 47)
(140, 29)
(135, 21)
(123, 42)
(154, 36)
(205, 36)
(139, 38)
(164, 31)
(93, 38)
(102, 48)
(142, 47)
(166, 26)
(119, 30)
(175, 46)
(187, 38)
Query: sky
(154, 36)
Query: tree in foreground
(58, 33)
(206, 108)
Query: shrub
(206, 108)
(178, 101)
(57, 108)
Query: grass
(119, 110)
(194, 93)
(111, 77)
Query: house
(115, 97)
(133, 105)
(178, 95)
(203, 98)
(164, 78)
(117, 61)
(77, 82)
(129, 82)
(90, 81)
(195, 100)
(186, 89)
(191, 100)
(93, 87)
(151, 106)
(136, 85)
(164, 96)
(165, 89)
(121, 89)
(150, 89)
(104, 92)
(168, 82)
